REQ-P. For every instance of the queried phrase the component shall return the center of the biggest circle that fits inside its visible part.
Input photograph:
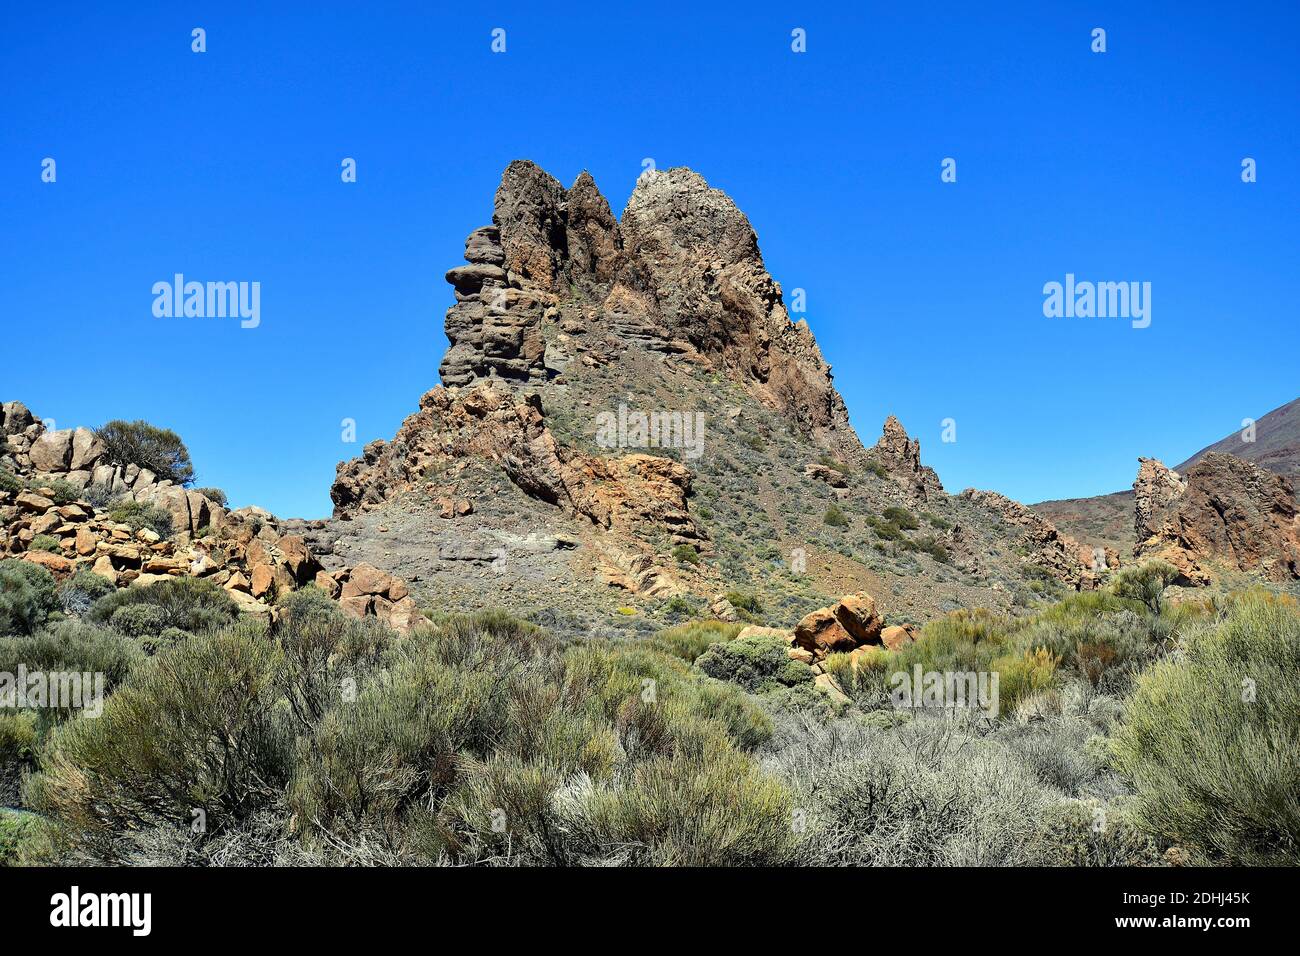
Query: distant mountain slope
(1104, 520)
(1108, 519)
(1276, 445)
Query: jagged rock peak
(681, 273)
(901, 456)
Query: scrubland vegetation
(1131, 731)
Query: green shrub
(922, 793)
(196, 727)
(83, 589)
(72, 646)
(901, 518)
(742, 601)
(1090, 833)
(147, 446)
(45, 542)
(759, 663)
(17, 828)
(27, 596)
(60, 491)
(138, 514)
(1210, 737)
(9, 482)
(1145, 583)
(17, 737)
(138, 620)
(885, 530)
(102, 496)
(194, 605)
(688, 641)
(934, 548)
(686, 554)
(708, 808)
(835, 517)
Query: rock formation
(1225, 512)
(681, 272)
(901, 458)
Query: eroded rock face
(1153, 489)
(629, 493)
(692, 265)
(1226, 512)
(901, 457)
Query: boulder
(31, 501)
(895, 636)
(52, 451)
(820, 633)
(87, 449)
(857, 614)
(58, 565)
(850, 622)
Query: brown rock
(263, 578)
(356, 605)
(894, 637)
(857, 614)
(51, 451)
(325, 581)
(820, 472)
(86, 541)
(56, 564)
(367, 579)
(820, 633)
(30, 501)
(103, 566)
(302, 564)
(87, 449)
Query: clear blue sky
(926, 297)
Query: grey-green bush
(27, 596)
(1210, 737)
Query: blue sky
(925, 296)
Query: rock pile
(78, 457)
(852, 625)
(243, 551)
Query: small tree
(1146, 583)
(147, 446)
